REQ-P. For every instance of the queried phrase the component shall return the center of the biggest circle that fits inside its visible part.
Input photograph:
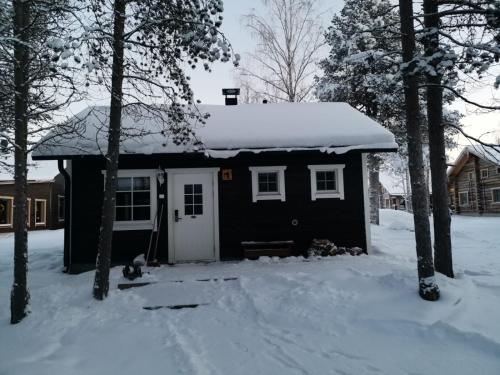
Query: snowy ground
(343, 315)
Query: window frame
(11, 224)
(44, 222)
(493, 201)
(59, 218)
(280, 194)
(460, 203)
(338, 193)
(487, 173)
(153, 196)
(470, 176)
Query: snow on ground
(342, 315)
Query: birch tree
(289, 39)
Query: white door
(193, 216)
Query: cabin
(262, 179)
(474, 181)
(45, 204)
(392, 192)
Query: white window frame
(44, 222)
(59, 197)
(470, 176)
(493, 196)
(140, 224)
(280, 194)
(339, 180)
(460, 203)
(487, 173)
(11, 224)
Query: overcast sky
(207, 86)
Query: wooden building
(269, 176)
(391, 193)
(45, 204)
(474, 181)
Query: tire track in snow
(279, 339)
(189, 349)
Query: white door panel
(193, 221)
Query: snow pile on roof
(329, 127)
(394, 185)
(39, 170)
(486, 153)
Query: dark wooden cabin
(45, 204)
(266, 189)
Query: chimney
(231, 96)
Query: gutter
(67, 215)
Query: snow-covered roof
(393, 184)
(11, 182)
(329, 127)
(486, 153)
(37, 170)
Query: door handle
(176, 216)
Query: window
(60, 207)
(268, 183)
(495, 195)
(463, 198)
(498, 170)
(193, 199)
(40, 212)
(6, 211)
(135, 199)
(471, 176)
(484, 173)
(327, 181)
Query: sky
(207, 86)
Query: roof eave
(72, 157)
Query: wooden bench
(255, 249)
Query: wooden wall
(479, 189)
(341, 221)
(40, 190)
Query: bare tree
(289, 38)
(428, 288)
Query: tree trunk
(20, 295)
(373, 167)
(437, 149)
(103, 262)
(428, 288)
